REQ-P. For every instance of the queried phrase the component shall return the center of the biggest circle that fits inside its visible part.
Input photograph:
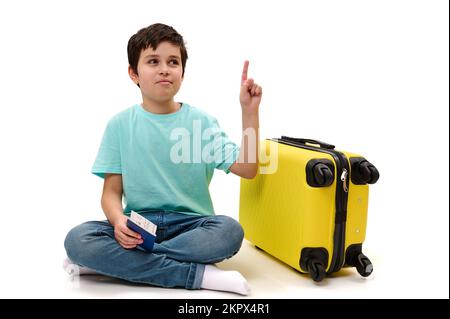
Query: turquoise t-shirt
(166, 160)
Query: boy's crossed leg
(212, 278)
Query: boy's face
(159, 72)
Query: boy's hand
(251, 93)
(127, 238)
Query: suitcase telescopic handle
(309, 141)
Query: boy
(139, 159)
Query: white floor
(406, 240)
(409, 254)
(268, 278)
(43, 277)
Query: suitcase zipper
(342, 167)
(337, 260)
(344, 180)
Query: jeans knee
(74, 243)
(233, 233)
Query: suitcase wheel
(369, 172)
(363, 172)
(319, 172)
(355, 258)
(316, 270)
(364, 265)
(323, 175)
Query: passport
(143, 226)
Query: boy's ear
(133, 76)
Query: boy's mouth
(164, 82)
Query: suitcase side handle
(307, 140)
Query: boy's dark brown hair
(152, 36)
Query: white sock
(224, 280)
(74, 269)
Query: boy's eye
(155, 61)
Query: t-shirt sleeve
(226, 152)
(108, 156)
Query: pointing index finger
(244, 72)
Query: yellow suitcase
(308, 206)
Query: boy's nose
(164, 69)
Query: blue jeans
(183, 245)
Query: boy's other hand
(251, 93)
(126, 237)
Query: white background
(370, 77)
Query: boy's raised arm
(250, 97)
